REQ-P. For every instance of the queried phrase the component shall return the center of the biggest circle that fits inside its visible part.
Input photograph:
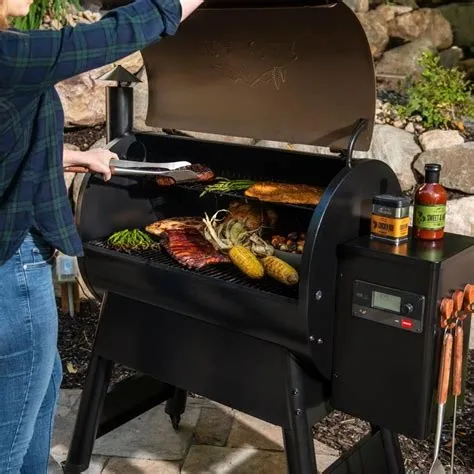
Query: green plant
(39, 9)
(440, 96)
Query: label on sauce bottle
(430, 217)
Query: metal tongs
(139, 168)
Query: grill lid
(276, 72)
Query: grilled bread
(285, 193)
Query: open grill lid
(265, 70)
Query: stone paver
(213, 427)
(212, 438)
(248, 431)
(140, 466)
(217, 460)
(150, 436)
(96, 466)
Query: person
(35, 215)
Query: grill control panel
(388, 306)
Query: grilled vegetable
(280, 270)
(259, 247)
(293, 242)
(227, 185)
(131, 240)
(246, 261)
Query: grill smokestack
(119, 102)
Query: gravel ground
(340, 431)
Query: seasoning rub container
(390, 218)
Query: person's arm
(42, 58)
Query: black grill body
(258, 347)
(391, 372)
(285, 355)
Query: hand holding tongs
(138, 168)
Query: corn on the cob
(244, 259)
(280, 270)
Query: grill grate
(200, 187)
(225, 272)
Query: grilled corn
(246, 261)
(280, 270)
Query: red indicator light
(407, 323)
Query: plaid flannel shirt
(32, 188)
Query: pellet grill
(297, 72)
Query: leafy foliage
(39, 9)
(440, 96)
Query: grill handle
(359, 127)
(76, 169)
(457, 366)
(445, 368)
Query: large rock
(460, 216)
(376, 31)
(386, 13)
(451, 57)
(420, 23)
(467, 66)
(435, 139)
(358, 5)
(83, 96)
(398, 149)
(457, 163)
(461, 18)
(403, 60)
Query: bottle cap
(432, 167)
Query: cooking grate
(225, 272)
(200, 187)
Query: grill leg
(392, 451)
(175, 406)
(298, 438)
(88, 417)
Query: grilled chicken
(251, 216)
(175, 223)
(285, 193)
(183, 240)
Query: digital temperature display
(385, 301)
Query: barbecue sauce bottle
(430, 206)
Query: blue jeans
(30, 368)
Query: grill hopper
(298, 74)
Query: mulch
(84, 137)
(338, 430)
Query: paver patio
(212, 439)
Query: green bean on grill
(227, 185)
(132, 240)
